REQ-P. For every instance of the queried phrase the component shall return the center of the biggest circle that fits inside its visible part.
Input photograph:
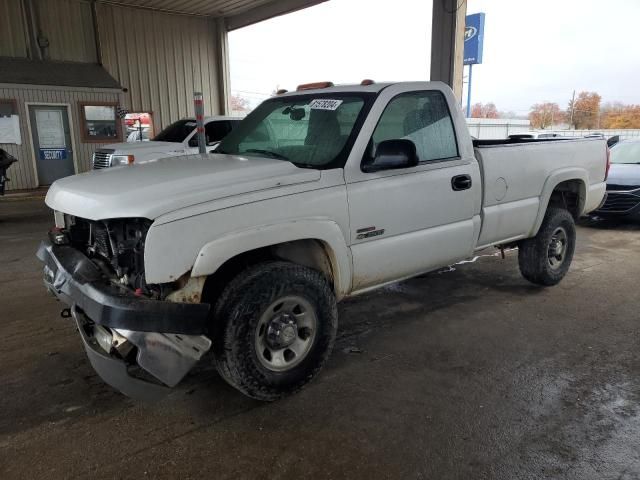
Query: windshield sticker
(324, 104)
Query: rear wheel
(275, 326)
(545, 258)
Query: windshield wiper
(268, 153)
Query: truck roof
(356, 87)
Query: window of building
(100, 123)
(139, 126)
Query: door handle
(461, 182)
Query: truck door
(407, 221)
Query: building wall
(161, 59)
(68, 26)
(13, 39)
(22, 174)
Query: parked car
(6, 159)
(316, 195)
(623, 184)
(179, 138)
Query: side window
(216, 131)
(422, 117)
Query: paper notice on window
(10, 130)
(50, 129)
(324, 104)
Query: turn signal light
(313, 86)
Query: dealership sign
(473, 38)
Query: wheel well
(311, 253)
(569, 195)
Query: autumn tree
(487, 110)
(618, 115)
(239, 104)
(584, 113)
(543, 115)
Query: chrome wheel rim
(285, 333)
(557, 248)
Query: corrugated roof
(67, 74)
(210, 8)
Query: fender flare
(553, 180)
(215, 253)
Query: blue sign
(53, 154)
(473, 38)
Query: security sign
(53, 153)
(473, 38)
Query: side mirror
(392, 154)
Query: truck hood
(146, 151)
(624, 174)
(132, 147)
(169, 184)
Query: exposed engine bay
(117, 246)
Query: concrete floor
(468, 373)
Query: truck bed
(514, 141)
(515, 173)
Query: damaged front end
(139, 338)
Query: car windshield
(307, 130)
(176, 132)
(626, 153)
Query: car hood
(624, 174)
(169, 184)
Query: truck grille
(620, 202)
(102, 158)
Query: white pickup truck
(318, 194)
(179, 138)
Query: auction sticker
(324, 104)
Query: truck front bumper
(166, 338)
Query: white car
(179, 138)
(316, 195)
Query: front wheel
(545, 258)
(276, 323)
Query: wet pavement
(466, 373)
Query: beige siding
(22, 174)
(13, 39)
(68, 26)
(161, 59)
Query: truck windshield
(176, 132)
(311, 131)
(626, 153)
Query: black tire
(536, 258)
(238, 315)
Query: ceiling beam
(267, 11)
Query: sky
(534, 50)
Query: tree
(239, 104)
(584, 113)
(543, 115)
(618, 115)
(487, 110)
